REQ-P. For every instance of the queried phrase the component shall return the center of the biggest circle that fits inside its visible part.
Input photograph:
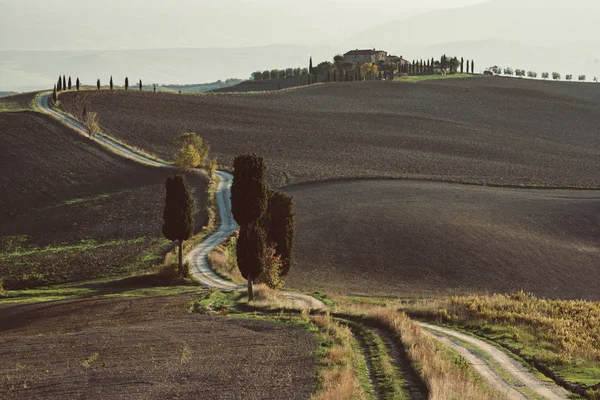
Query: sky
(151, 24)
(210, 40)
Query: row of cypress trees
(63, 84)
(265, 217)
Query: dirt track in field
(495, 131)
(148, 348)
(59, 189)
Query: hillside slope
(71, 210)
(396, 238)
(492, 131)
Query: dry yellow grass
(570, 326)
(338, 377)
(222, 260)
(265, 297)
(443, 377)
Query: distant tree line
(342, 70)
(278, 73)
(521, 73)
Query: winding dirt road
(198, 257)
(501, 371)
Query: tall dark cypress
(77, 84)
(98, 83)
(69, 84)
(280, 229)
(472, 66)
(59, 85)
(64, 83)
(140, 85)
(54, 96)
(178, 214)
(126, 83)
(111, 83)
(249, 204)
(468, 64)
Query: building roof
(358, 52)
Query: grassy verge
(560, 338)
(223, 261)
(342, 373)
(431, 77)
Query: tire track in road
(522, 385)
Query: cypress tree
(462, 64)
(64, 83)
(69, 84)
(59, 85)
(54, 94)
(140, 85)
(468, 66)
(111, 83)
(77, 83)
(178, 215)
(472, 66)
(84, 113)
(280, 228)
(126, 83)
(251, 249)
(248, 205)
(98, 83)
(248, 191)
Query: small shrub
(91, 124)
(171, 274)
(271, 275)
(213, 165)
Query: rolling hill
(71, 210)
(345, 151)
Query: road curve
(198, 257)
(520, 377)
(42, 103)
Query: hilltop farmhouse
(372, 56)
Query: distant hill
(203, 87)
(518, 33)
(26, 70)
(271, 84)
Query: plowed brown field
(397, 237)
(494, 131)
(148, 348)
(71, 210)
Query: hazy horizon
(204, 42)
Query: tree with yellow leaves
(369, 70)
(192, 153)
